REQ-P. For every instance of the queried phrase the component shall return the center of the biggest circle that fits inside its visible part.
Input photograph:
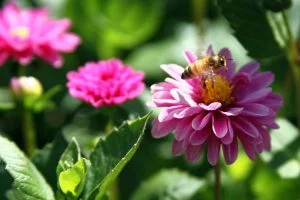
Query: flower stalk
(217, 170)
(292, 53)
(29, 133)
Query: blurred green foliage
(145, 34)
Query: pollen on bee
(217, 89)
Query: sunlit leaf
(6, 99)
(111, 155)
(268, 185)
(70, 156)
(254, 31)
(28, 182)
(111, 31)
(71, 181)
(47, 158)
(168, 184)
(285, 150)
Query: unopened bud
(26, 87)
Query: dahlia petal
(161, 129)
(259, 148)
(210, 50)
(266, 139)
(11, 14)
(183, 128)
(199, 137)
(164, 102)
(57, 27)
(273, 125)
(66, 42)
(250, 68)
(213, 151)
(193, 153)
(173, 70)
(273, 101)
(201, 120)
(167, 113)
(246, 126)
(263, 79)
(180, 84)
(234, 111)
(255, 110)
(177, 147)
(255, 96)
(190, 57)
(186, 112)
(230, 151)
(211, 107)
(182, 97)
(3, 57)
(219, 125)
(240, 79)
(249, 149)
(161, 87)
(227, 139)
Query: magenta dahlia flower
(105, 83)
(30, 32)
(234, 106)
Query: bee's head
(220, 61)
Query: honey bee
(205, 67)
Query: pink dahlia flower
(105, 83)
(234, 106)
(30, 32)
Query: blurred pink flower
(30, 32)
(105, 83)
(235, 106)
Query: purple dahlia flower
(235, 106)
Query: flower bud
(23, 87)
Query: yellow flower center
(217, 89)
(21, 32)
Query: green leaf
(6, 180)
(110, 31)
(285, 153)
(46, 159)
(246, 17)
(6, 99)
(268, 185)
(71, 181)
(111, 155)
(44, 102)
(169, 184)
(28, 182)
(253, 30)
(70, 156)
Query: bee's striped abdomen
(187, 72)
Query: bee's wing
(202, 49)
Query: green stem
(21, 71)
(29, 133)
(293, 54)
(114, 188)
(287, 26)
(218, 181)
